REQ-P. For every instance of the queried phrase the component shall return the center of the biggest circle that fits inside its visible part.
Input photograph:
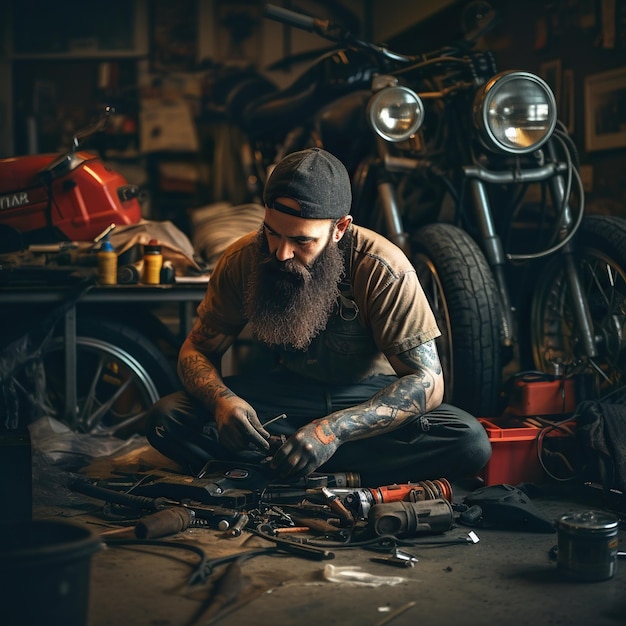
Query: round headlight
(395, 113)
(515, 112)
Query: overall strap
(348, 308)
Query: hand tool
(226, 590)
(397, 557)
(166, 522)
(275, 419)
(359, 501)
(212, 515)
(407, 519)
(236, 529)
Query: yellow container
(107, 264)
(152, 263)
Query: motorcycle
(469, 171)
(72, 196)
(123, 352)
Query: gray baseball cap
(316, 179)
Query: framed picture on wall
(551, 72)
(174, 35)
(567, 105)
(605, 110)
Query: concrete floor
(506, 578)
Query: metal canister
(587, 545)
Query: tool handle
(162, 523)
(109, 495)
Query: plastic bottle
(152, 263)
(107, 264)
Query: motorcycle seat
(282, 109)
(333, 75)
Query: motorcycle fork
(579, 302)
(389, 203)
(391, 213)
(492, 247)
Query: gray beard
(287, 303)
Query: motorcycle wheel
(120, 374)
(555, 340)
(463, 295)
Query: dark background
(69, 59)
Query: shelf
(72, 31)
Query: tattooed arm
(419, 389)
(198, 369)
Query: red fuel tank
(74, 196)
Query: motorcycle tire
(120, 374)
(600, 258)
(463, 295)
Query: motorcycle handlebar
(298, 20)
(484, 19)
(92, 129)
(328, 30)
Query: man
(357, 372)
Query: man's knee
(478, 446)
(472, 448)
(161, 418)
(156, 420)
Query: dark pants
(444, 443)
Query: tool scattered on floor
(226, 590)
(311, 518)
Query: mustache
(288, 268)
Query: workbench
(186, 295)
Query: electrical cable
(573, 175)
(385, 542)
(204, 568)
(198, 573)
(541, 452)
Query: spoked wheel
(119, 375)
(463, 295)
(556, 337)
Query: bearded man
(357, 372)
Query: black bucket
(44, 572)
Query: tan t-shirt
(384, 311)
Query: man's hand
(307, 449)
(238, 425)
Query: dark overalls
(444, 443)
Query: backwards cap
(316, 179)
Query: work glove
(306, 450)
(239, 427)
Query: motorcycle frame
(478, 179)
(449, 78)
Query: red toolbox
(516, 445)
(531, 395)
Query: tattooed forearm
(387, 410)
(418, 390)
(199, 364)
(202, 379)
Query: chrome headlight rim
(485, 98)
(397, 94)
